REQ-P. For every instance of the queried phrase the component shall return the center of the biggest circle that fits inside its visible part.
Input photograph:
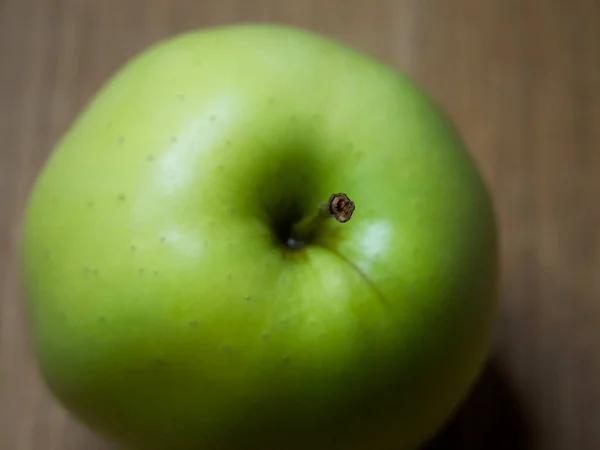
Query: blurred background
(521, 80)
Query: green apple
(173, 299)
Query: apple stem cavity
(339, 206)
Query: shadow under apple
(491, 418)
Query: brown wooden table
(521, 80)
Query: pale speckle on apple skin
(193, 323)
(227, 348)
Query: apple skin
(167, 312)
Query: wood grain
(521, 79)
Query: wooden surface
(521, 80)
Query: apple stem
(339, 206)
